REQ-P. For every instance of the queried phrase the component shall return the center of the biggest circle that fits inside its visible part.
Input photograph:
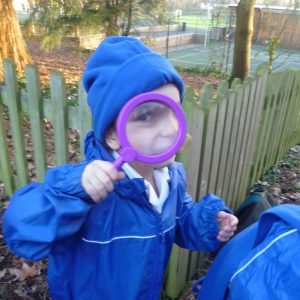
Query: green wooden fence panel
(243, 98)
(59, 110)
(255, 123)
(256, 127)
(282, 103)
(267, 138)
(36, 120)
(231, 151)
(278, 128)
(177, 269)
(15, 116)
(84, 117)
(293, 124)
(262, 136)
(285, 105)
(246, 132)
(192, 165)
(296, 139)
(292, 116)
(206, 160)
(221, 112)
(6, 172)
(230, 106)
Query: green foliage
(71, 90)
(53, 40)
(272, 175)
(205, 71)
(272, 44)
(55, 19)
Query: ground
(20, 279)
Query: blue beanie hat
(119, 69)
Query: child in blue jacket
(108, 233)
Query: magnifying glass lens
(152, 128)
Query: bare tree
(243, 39)
(12, 44)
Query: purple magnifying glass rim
(128, 152)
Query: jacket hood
(119, 69)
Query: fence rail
(237, 134)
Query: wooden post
(15, 116)
(36, 119)
(60, 124)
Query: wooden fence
(237, 134)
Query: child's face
(153, 127)
(153, 136)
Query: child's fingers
(94, 192)
(98, 179)
(229, 228)
(221, 215)
(228, 218)
(225, 235)
(102, 180)
(109, 169)
(234, 221)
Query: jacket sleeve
(39, 215)
(197, 227)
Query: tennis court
(221, 53)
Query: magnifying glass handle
(126, 155)
(118, 163)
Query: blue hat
(119, 69)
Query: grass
(201, 21)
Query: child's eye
(144, 117)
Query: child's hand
(227, 225)
(98, 179)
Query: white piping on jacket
(259, 253)
(126, 237)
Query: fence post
(210, 113)
(238, 157)
(6, 173)
(15, 116)
(84, 117)
(36, 119)
(178, 265)
(260, 96)
(60, 124)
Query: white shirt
(161, 177)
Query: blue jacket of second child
(116, 249)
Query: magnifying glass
(151, 128)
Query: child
(109, 234)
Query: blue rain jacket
(261, 263)
(116, 249)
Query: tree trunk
(129, 18)
(11, 40)
(243, 39)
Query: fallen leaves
(25, 271)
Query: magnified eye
(149, 112)
(147, 116)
